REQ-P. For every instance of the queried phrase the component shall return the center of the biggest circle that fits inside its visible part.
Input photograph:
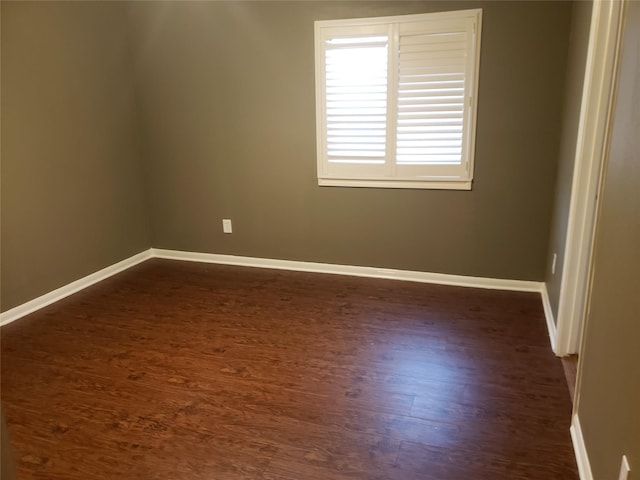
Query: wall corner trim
(593, 132)
(582, 458)
(71, 288)
(548, 313)
(357, 271)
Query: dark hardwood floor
(191, 371)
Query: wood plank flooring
(186, 371)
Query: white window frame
(393, 174)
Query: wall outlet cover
(226, 225)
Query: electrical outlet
(226, 226)
(553, 264)
(625, 470)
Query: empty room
(316, 240)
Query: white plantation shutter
(352, 98)
(356, 99)
(396, 100)
(431, 100)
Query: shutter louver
(431, 98)
(356, 99)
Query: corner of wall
(71, 288)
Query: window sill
(414, 184)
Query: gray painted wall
(576, 63)
(226, 92)
(608, 394)
(72, 192)
(215, 118)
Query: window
(396, 100)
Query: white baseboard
(548, 313)
(71, 288)
(357, 271)
(580, 449)
(373, 272)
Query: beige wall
(576, 63)
(226, 94)
(608, 396)
(72, 192)
(224, 104)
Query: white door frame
(593, 131)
